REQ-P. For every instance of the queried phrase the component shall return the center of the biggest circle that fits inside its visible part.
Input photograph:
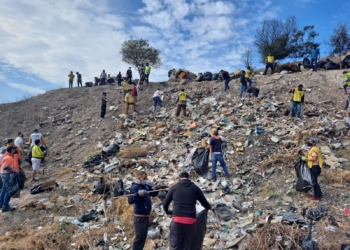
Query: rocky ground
(247, 205)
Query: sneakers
(8, 209)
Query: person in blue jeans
(315, 56)
(243, 84)
(157, 99)
(216, 154)
(297, 100)
(226, 78)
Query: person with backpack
(141, 199)
(147, 72)
(215, 144)
(297, 100)
(270, 63)
(184, 195)
(315, 56)
(71, 79)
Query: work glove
(303, 158)
(142, 192)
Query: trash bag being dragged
(201, 160)
(305, 180)
(201, 227)
(97, 159)
(13, 184)
(21, 179)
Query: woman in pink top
(156, 99)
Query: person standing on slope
(297, 100)
(248, 75)
(70, 79)
(103, 77)
(270, 63)
(215, 144)
(226, 78)
(147, 72)
(104, 104)
(79, 81)
(315, 56)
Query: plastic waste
(305, 180)
(97, 159)
(201, 160)
(224, 213)
(110, 149)
(291, 217)
(201, 226)
(118, 189)
(88, 216)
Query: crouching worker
(252, 90)
(141, 199)
(37, 155)
(182, 102)
(129, 100)
(8, 166)
(183, 226)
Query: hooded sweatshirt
(185, 195)
(142, 204)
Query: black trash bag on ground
(201, 227)
(305, 180)
(97, 159)
(13, 184)
(345, 247)
(162, 194)
(201, 160)
(315, 213)
(307, 62)
(207, 76)
(21, 179)
(291, 217)
(88, 216)
(321, 63)
(29, 157)
(102, 188)
(215, 77)
(118, 188)
(346, 61)
(36, 189)
(307, 244)
(224, 213)
(110, 80)
(110, 149)
(331, 65)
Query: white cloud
(25, 88)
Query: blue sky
(43, 40)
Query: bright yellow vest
(247, 73)
(182, 96)
(270, 59)
(126, 85)
(298, 94)
(128, 98)
(347, 78)
(148, 70)
(318, 152)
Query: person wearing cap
(2, 152)
(71, 79)
(297, 100)
(129, 100)
(104, 104)
(215, 144)
(314, 162)
(184, 195)
(8, 166)
(315, 56)
(182, 102)
(141, 199)
(270, 63)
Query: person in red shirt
(134, 93)
(182, 228)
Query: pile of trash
(328, 64)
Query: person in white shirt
(19, 142)
(2, 152)
(157, 99)
(103, 77)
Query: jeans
(295, 108)
(346, 104)
(243, 88)
(157, 100)
(249, 81)
(79, 82)
(182, 235)
(5, 195)
(314, 66)
(214, 159)
(226, 87)
(315, 172)
(119, 82)
(146, 78)
(70, 83)
(141, 230)
(269, 65)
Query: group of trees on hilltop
(284, 39)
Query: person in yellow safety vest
(37, 155)
(181, 102)
(314, 162)
(297, 100)
(126, 86)
(147, 72)
(129, 100)
(270, 63)
(71, 79)
(347, 81)
(247, 76)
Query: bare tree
(339, 41)
(247, 57)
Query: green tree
(283, 39)
(339, 41)
(137, 52)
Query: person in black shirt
(104, 104)
(119, 79)
(243, 84)
(79, 79)
(252, 90)
(226, 78)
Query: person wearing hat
(297, 100)
(8, 166)
(2, 152)
(215, 144)
(104, 104)
(181, 102)
(314, 162)
(141, 199)
(185, 195)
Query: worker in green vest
(347, 81)
(182, 102)
(147, 72)
(297, 100)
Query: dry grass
(278, 158)
(268, 190)
(133, 152)
(336, 176)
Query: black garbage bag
(110, 80)
(307, 244)
(346, 61)
(224, 213)
(215, 77)
(345, 247)
(321, 63)
(29, 157)
(291, 218)
(201, 160)
(97, 159)
(110, 149)
(331, 65)
(315, 213)
(162, 194)
(13, 184)
(201, 227)
(307, 62)
(88, 216)
(207, 76)
(102, 187)
(305, 180)
(118, 188)
(36, 189)
(21, 179)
